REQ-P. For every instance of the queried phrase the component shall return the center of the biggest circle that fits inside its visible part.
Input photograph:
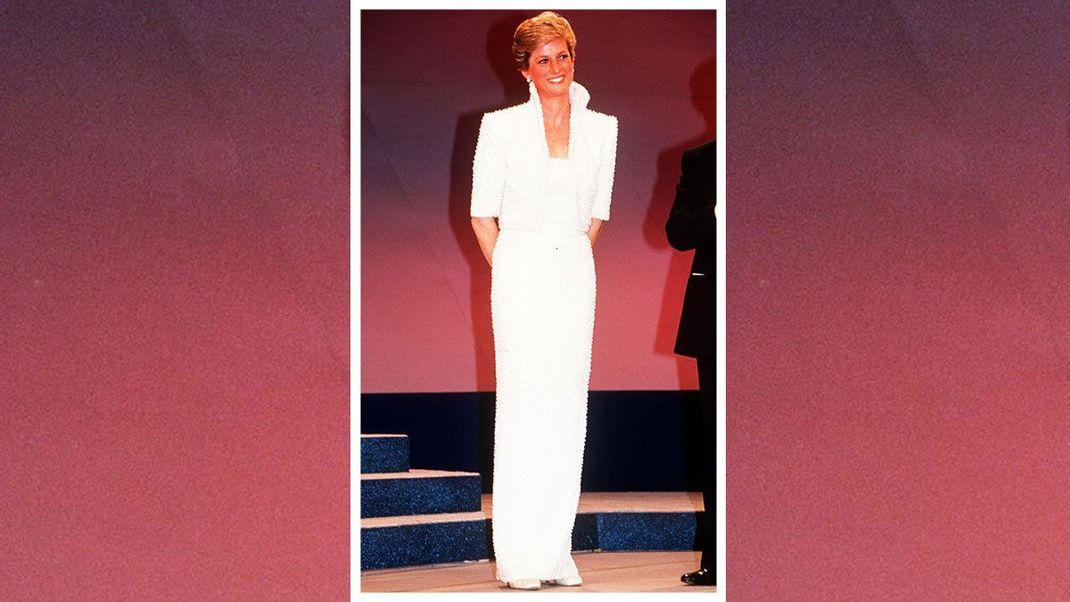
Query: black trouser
(707, 524)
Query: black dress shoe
(699, 577)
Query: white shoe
(570, 581)
(525, 584)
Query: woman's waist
(545, 236)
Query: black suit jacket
(692, 225)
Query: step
(633, 521)
(605, 521)
(384, 453)
(397, 541)
(418, 492)
(645, 531)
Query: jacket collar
(578, 97)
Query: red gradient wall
(426, 79)
(174, 301)
(897, 301)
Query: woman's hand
(595, 230)
(486, 229)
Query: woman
(544, 169)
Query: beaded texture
(509, 172)
(542, 304)
(542, 308)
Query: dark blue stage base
(384, 453)
(636, 440)
(395, 495)
(457, 541)
(646, 531)
(427, 543)
(585, 532)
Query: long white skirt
(542, 306)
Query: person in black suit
(692, 225)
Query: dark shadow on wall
(703, 84)
(514, 91)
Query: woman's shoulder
(507, 114)
(500, 124)
(602, 122)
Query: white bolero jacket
(510, 171)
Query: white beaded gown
(542, 305)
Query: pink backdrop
(426, 79)
(174, 301)
(898, 300)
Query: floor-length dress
(542, 304)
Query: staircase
(415, 517)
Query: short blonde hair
(538, 30)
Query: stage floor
(641, 572)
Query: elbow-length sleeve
(488, 169)
(606, 166)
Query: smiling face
(551, 68)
